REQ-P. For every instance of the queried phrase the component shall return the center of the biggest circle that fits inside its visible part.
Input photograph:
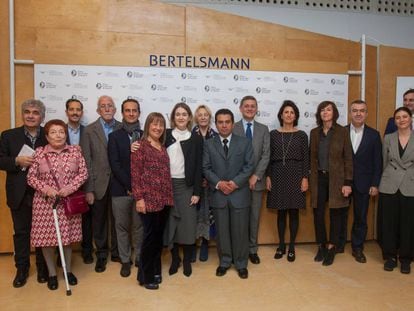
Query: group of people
(154, 187)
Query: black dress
(288, 165)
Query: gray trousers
(232, 235)
(128, 227)
(254, 219)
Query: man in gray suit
(258, 133)
(94, 142)
(227, 166)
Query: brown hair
(323, 105)
(57, 122)
(190, 115)
(154, 117)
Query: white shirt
(356, 136)
(176, 154)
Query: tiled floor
(272, 285)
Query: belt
(324, 172)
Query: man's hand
(90, 198)
(252, 181)
(224, 187)
(373, 191)
(24, 161)
(135, 146)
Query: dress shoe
(52, 283)
(87, 258)
(221, 271)
(291, 255)
(42, 274)
(279, 253)
(187, 270)
(320, 255)
(157, 279)
(359, 255)
(405, 267)
(151, 286)
(100, 265)
(125, 270)
(175, 264)
(136, 264)
(329, 258)
(204, 251)
(340, 250)
(21, 277)
(116, 259)
(390, 264)
(243, 273)
(72, 280)
(254, 258)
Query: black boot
(188, 251)
(175, 260)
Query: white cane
(59, 238)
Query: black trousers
(102, 220)
(337, 216)
(87, 237)
(22, 225)
(152, 244)
(397, 226)
(359, 226)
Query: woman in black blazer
(185, 152)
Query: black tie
(225, 147)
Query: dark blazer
(238, 167)
(80, 134)
(391, 127)
(367, 161)
(119, 155)
(398, 173)
(193, 153)
(11, 142)
(340, 166)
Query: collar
(228, 138)
(74, 129)
(107, 125)
(27, 133)
(357, 129)
(245, 122)
(48, 149)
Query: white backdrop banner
(403, 84)
(159, 89)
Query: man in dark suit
(367, 164)
(127, 220)
(258, 133)
(94, 143)
(408, 101)
(19, 194)
(227, 166)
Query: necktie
(225, 147)
(249, 131)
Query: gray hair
(36, 104)
(105, 97)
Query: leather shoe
(243, 273)
(390, 264)
(87, 258)
(52, 283)
(21, 277)
(100, 265)
(340, 250)
(359, 256)
(158, 279)
(291, 255)
(329, 258)
(42, 274)
(221, 271)
(405, 267)
(151, 286)
(320, 255)
(72, 280)
(254, 258)
(279, 253)
(115, 259)
(125, 270)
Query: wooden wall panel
(393, 62)
(125, 32)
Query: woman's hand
(304, 186)
(64, 192)
(346, 191)
(140, 206)
(194, 200)
(268, 183)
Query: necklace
(284, 153)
